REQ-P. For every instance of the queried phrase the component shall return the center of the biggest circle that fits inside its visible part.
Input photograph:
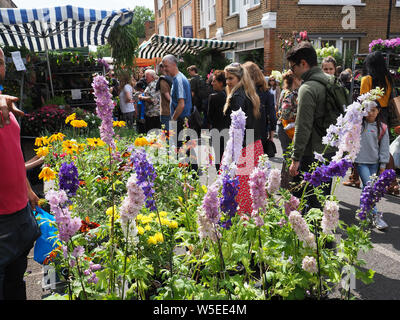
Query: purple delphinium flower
(257, 183)
(373, 192)
(104, 110)
(228, 203)
(210, 204)
(326, 172)
(145, 175)
(68, 178)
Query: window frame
(331, 3)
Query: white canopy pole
(43, 26)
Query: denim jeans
(165, 121)
(366, 170)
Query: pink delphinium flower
(301, 229)
(104, 110)
(309, 264)
(274, 181)
(257, 183)
(206, 228)
(330, 219)
(210, 204)
(291, 205)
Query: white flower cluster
(301, 229)
(206, 228)
(309, 264)
(274, 181)
(330, 219)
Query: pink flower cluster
(309, 264)
(134, 201)
(208, 215)
(257, 183)
(67, 225)
(301, 229)
(330, 219)
(104, 109)
(207, 229)
(291, 205)
(274, 181)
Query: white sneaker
(379, 223)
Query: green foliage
(140, 15)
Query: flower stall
(134, 222)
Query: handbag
(269, 148)
(195, 120)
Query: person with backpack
(164, 85)
(374, 154)
(200, 92)
(320, 102)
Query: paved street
(384, 258)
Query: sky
(91, 4)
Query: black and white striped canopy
(59, 27)
(159, 46)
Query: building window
(160, 4)
(397, 3)
(186, 14)
(233, 7)
(207, 13)
(161, 29)
(332, 2)
(254, 3)
(172, 25)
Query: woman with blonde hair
(241, 93)
(267, 105)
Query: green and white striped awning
(159, 46)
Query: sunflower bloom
(69, 146)
(47, 174)
(41, 141)
(95, 142)
(119, 124)
(42, 152)
(70, 118)
(56, 137)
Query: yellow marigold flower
(78, 123)
(119, 124)
(70, 117)
(47, 174)
(152, 215)
(164, 222)
(204, 188)
(41, 141)
(56, 137)
(140, 230)
(42, 152)
(180, 199)
(159, 237)
(152, 240)
(147, 227)
(95, 142)
(141, 142)
(109, 211)
(146, 219)
(163, 214)
(173, 224)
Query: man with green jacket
(311, 107)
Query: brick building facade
(7, 4)
(349, 25)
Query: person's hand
(33, 199)
(294, 167)
(397, 130)
(6, 106)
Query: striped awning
(59, 27)
(159, 46)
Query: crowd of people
(156, 99)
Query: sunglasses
(292, 66)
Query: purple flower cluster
(228, 203)
(66, 225)
(104, 110)
(326, 172)
(373, 192)
(104, 63)
(90, 272)
(145, 175)
(68, 178)
(381, 44)
(210, 204)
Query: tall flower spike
(104, 110)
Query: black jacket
(240, 100)
(216, 102)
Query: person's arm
(6, 106)
(179, 109)
(384, 152)
(34, 162)
(32, 197)
(165, 90)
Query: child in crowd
(374, 154)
